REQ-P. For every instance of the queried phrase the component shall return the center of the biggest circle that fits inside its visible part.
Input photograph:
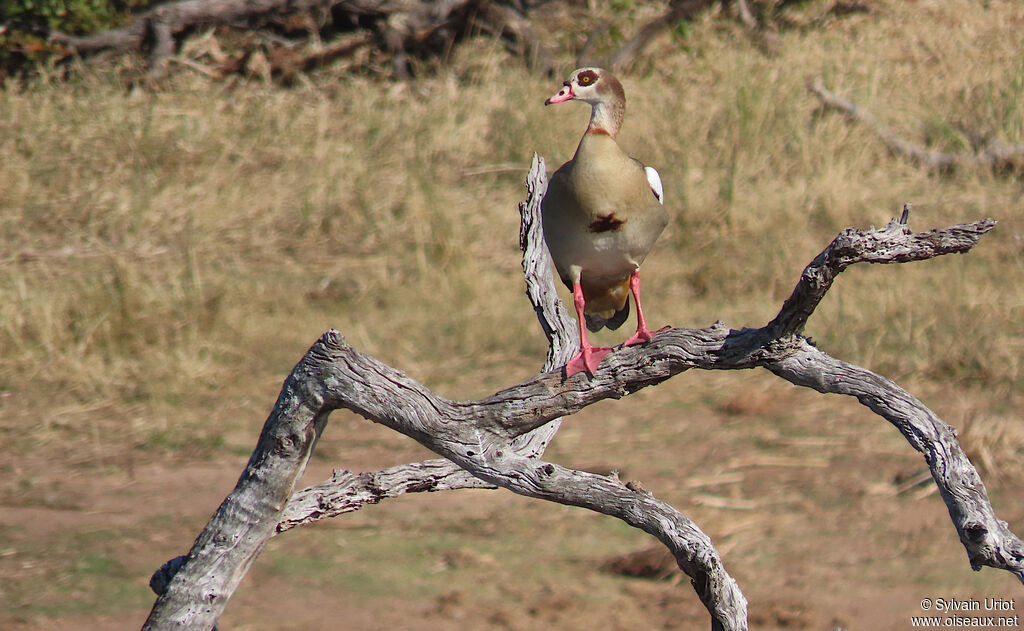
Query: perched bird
(602, 214)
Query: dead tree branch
(398, 28)
(481, 436)
(166, 20)
(686, 11)
(501, 20)
(995, 155)
(987, 539)
(346, 492)
(379, 33)
(766, 40)
(680, 10)
(894, 243)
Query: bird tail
(596, 321)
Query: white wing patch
(655, 181)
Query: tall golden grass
(163, 249)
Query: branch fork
(499, 440)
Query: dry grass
(159, 248)
(166, 257)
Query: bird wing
(655, 181)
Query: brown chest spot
(605, 223)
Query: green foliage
(23, 41)
(682, 32)
(70, 16)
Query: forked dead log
(499, 439)
(165, 20)
(398, 28)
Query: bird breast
(600, 215)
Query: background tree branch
(678, 11)
(481, 436)
(400, 27)
(993, 155)
(387, 33)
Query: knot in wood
(427, 484)
(285, 443)
(975, 532)
(333, 339)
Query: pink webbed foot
(640, 337)
(587, 360)
(644, 336)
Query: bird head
(590, 85)
(602, 91)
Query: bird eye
(585, 79)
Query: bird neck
(599, 152)
(606, 117)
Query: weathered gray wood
(554, 319)
(197, 593)
(987, 539)
(480, 436)
(692, 548)
(346, 491)
(894, 243)
(506, 458)
(476, 436)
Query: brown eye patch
(587, 77)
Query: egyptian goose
(602, 214)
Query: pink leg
(643, 334)
(589, 356)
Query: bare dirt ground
(810, 500)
